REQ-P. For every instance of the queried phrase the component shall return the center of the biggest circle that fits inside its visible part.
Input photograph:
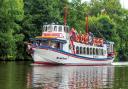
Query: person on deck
(73, 34)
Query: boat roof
(46, 39)
(53, 24)
(109, 42)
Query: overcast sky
(124, 3)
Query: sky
(124, 3)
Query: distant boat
(59, 45)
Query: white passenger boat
(61, 45)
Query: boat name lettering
(53, 34)
(61, 58)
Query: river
(23, 75)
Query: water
(22, 75)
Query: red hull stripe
(46, 63)
(69, 64)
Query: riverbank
(120, 63)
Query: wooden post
(65, 15)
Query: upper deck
(55, 31)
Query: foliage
(11, 15)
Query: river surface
(22, 75)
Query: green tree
(10, 17)
(39, 12)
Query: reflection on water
(13, 75)
(71, 77)
(21, 75)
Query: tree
(39, 12)
(10, 17)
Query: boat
(61, 45)
(58, 45)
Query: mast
(65, 15)
(86, 18)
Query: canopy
(46, 39)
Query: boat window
(94, 51)
(108, 48)
(49, 28)
(91, 51)
(97, 52)
(60, 28)
(58, 45)
(80, 50)
(45, 29)
(102, 52)
(53, 45)
(87, 51)
(45, 43)
(36, 43)
(55, 28)
(66, 29)
(84, 50)
(77, 50)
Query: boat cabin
(55, 31)
(48, 42)
(52, 36)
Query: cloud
(124, 3)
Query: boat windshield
(48, 43)
(47, 28)
(50, 28)
(52, 44)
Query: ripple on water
(14, 75)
